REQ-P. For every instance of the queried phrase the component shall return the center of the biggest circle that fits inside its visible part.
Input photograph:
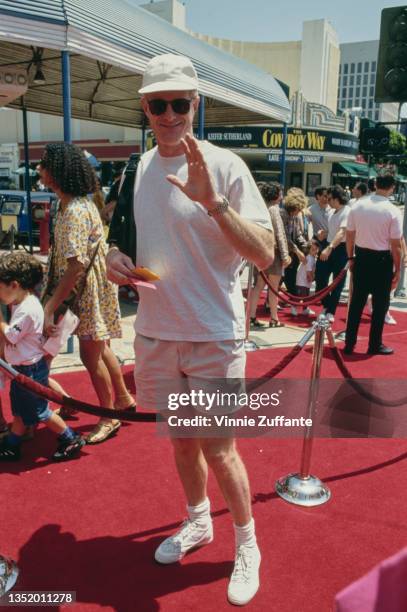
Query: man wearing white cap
(198, 212)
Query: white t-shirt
(303, 268)
(24, 331)
(199, 296)
(336, 221)
(376, 221)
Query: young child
(305, 274)
(22, 341)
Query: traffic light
(374, 140)
(391, 75)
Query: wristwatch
(220, 209)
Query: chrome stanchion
(8, 574)
(249, 345)
(302, 488)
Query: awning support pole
(27, 180)
(66, 95)
(283, 153)
(201, 118)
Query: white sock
(245, 535)
(200, 514)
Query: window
(359, 66)
(371, 92)
(364, 92)
(344, 92)
(373, 66)
(364, 104)
(376, 116)
(370, 104)
(366, 67)
(345, 81)
(345, 68)
(359, 79)
(357, 92)
(372, 78)
(352, 68)
(350, 92)
(351, 80)
(365, 79)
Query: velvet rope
(358, 387)
(283, 363)
(306, 300)
(70, 402)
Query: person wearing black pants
(372, 274)
(320, 213)
(334, 255)
(373, 243)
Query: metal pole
(201, 118)
(143, 137)
(66, 95)
(27, 181)
(302, 488)
(8, 574)
(249, 345)
(283, 154)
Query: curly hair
(337, 192)
(21, 267)
(69, 168)
(270, 191)
(295, 200)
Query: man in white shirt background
(373, 242)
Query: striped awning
(110, 44)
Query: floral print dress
(77, 232)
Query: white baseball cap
(169, 72)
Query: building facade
(356, 84)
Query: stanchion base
(250, 345)
(8, 574)
(341, 335)
(309, 491)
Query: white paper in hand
(66, 326)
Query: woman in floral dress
(78, 233)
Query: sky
(281, 20)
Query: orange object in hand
(146, 274)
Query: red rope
(306, 300)
(358, 387)
(70, 402)
(283, 363)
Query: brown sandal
(66, 413)
(102, 431)
(275, 323)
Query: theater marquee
(255, 137)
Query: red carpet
(91, 525)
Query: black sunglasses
(180, 106)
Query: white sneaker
(308, 312)
(244, 581)
(189, 536)
(330, 317)
(389, 319)
(293, 311)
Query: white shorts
(165, 367)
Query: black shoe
(9, 453)
(256, 323)
(348, 350)
(380, 350)
(67, 449)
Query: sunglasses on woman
(181, 106)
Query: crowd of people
(198, 213)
